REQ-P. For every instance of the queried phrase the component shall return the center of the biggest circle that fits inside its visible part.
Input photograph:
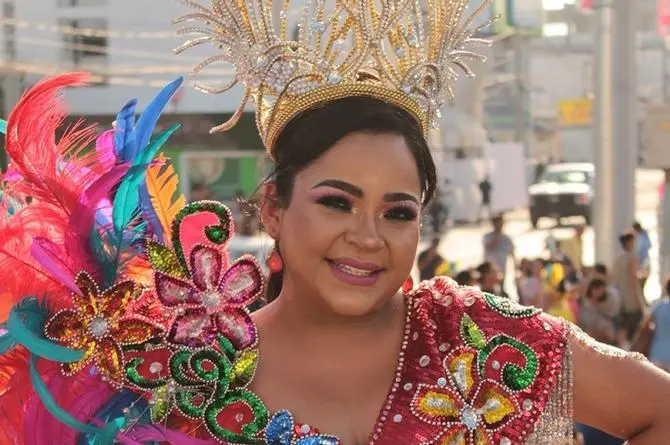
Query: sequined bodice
(475, 369)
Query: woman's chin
(354, 304)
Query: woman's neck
(309, 323)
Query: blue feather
(113, 409)
(26, 325)
(126, 201)
(147, 121)
(3, 126)
(149, 213)
(125, 138)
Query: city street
(464, 244)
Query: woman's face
(349, 234)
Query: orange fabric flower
(98, 324)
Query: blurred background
(564, 126)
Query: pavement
(464, 244)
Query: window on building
(85, 43)
(76, 3)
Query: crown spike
(400, 51)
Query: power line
(100, 49)
(102, 70)
(87, 32)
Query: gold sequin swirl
(292, 55)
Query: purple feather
(158, 433)
(47, 254)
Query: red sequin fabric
(476, 370)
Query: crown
(404, 52)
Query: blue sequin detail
(318, 440)
(280, 432)
(280, 429)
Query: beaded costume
(127, 323)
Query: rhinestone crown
(401, 51)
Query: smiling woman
(325, 158)
(144, 333)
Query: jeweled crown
(401, 51)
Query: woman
(531, 292)
(658, 321)
(592, 319)
(163, 349)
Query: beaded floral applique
(208, 358)
(474, 377)
(99, 326)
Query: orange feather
(163, 186)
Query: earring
(275, 262)
(408, 285)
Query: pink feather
(49, 256)
(95, 198)
(104, 146)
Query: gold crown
(400, 51)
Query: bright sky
(553, 5)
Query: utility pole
(11, 81)
(626, 140)
(603, 209)
(664, 210)
(524, 120)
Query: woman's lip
(362, 265)
(370, 279)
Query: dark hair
(310, 134)
(485, 268)
(667, 286)
(466, 277)
(637, 227)
(600, 268)
(627, 236)
(593, 285)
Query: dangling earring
(408, 285)
(275, 262)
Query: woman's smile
(355, 272)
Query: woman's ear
(270, 209)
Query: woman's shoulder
(447, 304)
(500, 358)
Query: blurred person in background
(430, 260)
(625, 275)
(498, 247)
(573, 248)
(592, 319)
(490, 279)
(657, 323)
(559, 301)
(642, 247)
(467, 277)
(530, 286)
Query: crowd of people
(606, 301)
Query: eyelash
(400, 213)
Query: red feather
(32, 147)
(54, 173)
(20, 274)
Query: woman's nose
(365, 233)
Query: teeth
(353, 270)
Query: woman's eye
(401, 214)
(336, 203)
